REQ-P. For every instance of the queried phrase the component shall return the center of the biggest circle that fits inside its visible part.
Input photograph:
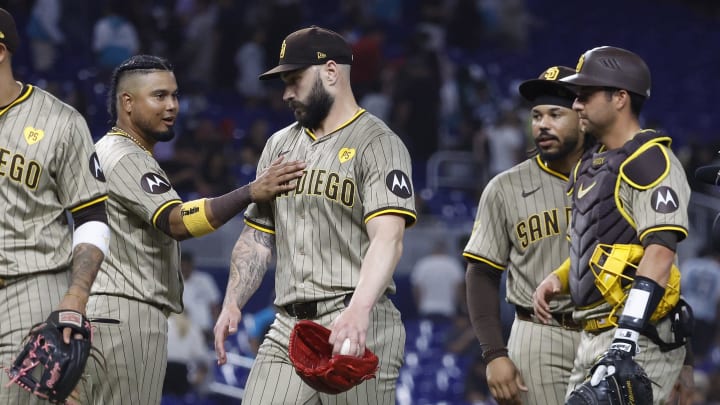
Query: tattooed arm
(85, 266)
(248, 264)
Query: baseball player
(338, 234)
(521, 228)
(630, 198)
(140, 283)
(48, 167)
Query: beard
(163, 136)
(566, 148)
(157, 136)
(315, 109)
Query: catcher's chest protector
(596, 217)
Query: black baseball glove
(47, 366)
(616, 379)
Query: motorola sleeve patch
(95, 168)
(664, 200)
(399, 184)
(154, 183)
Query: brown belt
(565, 319)
(308, 309)
(2, 283)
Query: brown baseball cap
(310, 46)
(8, 31)
(608, 66)
(547, 90)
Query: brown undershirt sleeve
(483, 298)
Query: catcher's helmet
(609, 66)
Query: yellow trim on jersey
(405, 213)
(89, 203)
(195, 218)
(563, 273)
(642, 149)
(20, 99)
(484, 260)
(664, 228)
(162, 208)
(619, 204)
(622, 177)
(348, 122)
(545, 168)
(259, 227)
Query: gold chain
(122, 132)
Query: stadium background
(443, 74)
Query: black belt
(565, 319)
(309, 309)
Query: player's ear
(330, 72)
(4, 53)
(125, 101)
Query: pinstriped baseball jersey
(47, 166)
(144, 262)
(353, 174)
(521, 226)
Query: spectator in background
(188, 360)
(437, 281)
(216, 177)
(115, 38)
(250, 63)
(201, 297)
(416, 100)
(258, 325)
(701, 289)
(367, 60)
(44, 33)
(200, 43)
(506, 142)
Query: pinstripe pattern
(544, 355)
(525, 235)
(134, 351)
(386, 338)
(662, 368)
(521, 227)
(320, 231)
(144, 263)
(45, 158)
(140, 275)
(45, 152)
(351, 176)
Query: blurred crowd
(414, 68)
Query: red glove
(311, 355)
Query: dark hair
(636, 100)
(134, 64)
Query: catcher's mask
(614, 267)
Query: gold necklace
(120, 131)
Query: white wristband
(95, 233)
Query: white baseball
(345, 349)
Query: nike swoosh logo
(527, 193)
(582, 190)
